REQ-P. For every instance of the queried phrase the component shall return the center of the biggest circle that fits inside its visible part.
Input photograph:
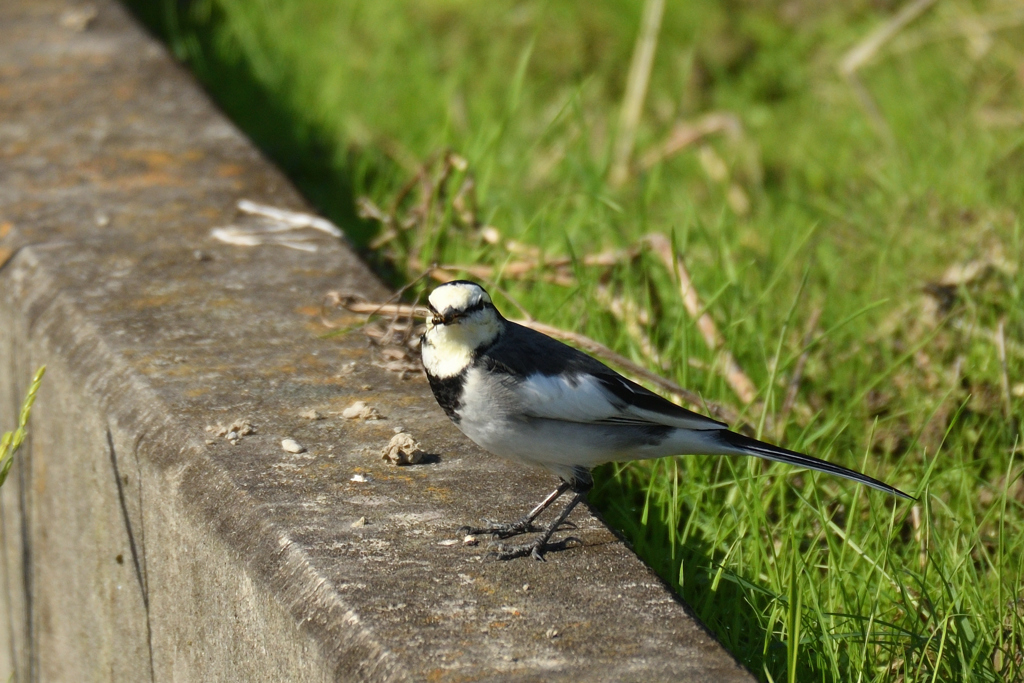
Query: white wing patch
(557, 397)
(583, 399)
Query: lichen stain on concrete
(439, 493)
(126, 91)
(229, 170)
(221, 302)
(153, 301)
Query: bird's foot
(537, 549)
(506, 530)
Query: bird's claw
(501, 530)
(510, 552)
(536, 550)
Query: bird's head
(463, 321)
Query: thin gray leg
(521, 526)
(537, 548)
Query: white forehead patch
(458, 296)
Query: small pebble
(78, 19)
(402, 450)
(360, 411)
(361, 522)
(470, 540)
(552, 633)
(292, 446)
(234, 431)
(358, 478)
(311, 415)
(448, 541)
(243, 427)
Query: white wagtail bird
(522, 395)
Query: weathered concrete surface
(136, 545)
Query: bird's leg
(520, 526)
(537, 548)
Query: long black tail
(748, 446)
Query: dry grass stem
(556, 271)
(685, 133)
(734, 375)
(1004, 376)
(512, 271)
(371, 308)
(429, 187)
(636, 89)
(866, 49)
(976, 332)
(862, 52)
(633, 320)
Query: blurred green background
(854, 233)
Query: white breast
(442, 358)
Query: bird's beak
(446, 318)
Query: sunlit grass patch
(859, 245)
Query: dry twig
(636, 89)
(734, 375)
(633, 320)
(557, 271)
(862, 52)
(685, 133)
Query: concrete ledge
(137, 545)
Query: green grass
(11, 441)
(809, 205)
